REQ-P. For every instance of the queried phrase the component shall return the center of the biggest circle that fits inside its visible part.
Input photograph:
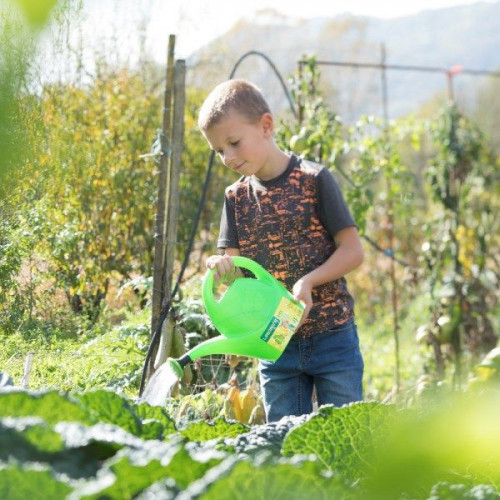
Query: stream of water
(159, 386)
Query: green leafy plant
(318, 135)
(100, 357)
(460, 274)
(98, 444)
(94, 164)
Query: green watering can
(256, 317)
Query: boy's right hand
(225, 270)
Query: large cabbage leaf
(343, 439)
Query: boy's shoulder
(241, 181)
(311, 170)
(311, 167)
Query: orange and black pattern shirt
(287, 225)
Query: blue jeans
(330, 361)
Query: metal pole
(390, 218)
(449, 79)
(300, 100)
(454, 70)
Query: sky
(115, 28)
(196, 22)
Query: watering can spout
(223, 345)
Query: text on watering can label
(283, 324)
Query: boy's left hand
(302, 292)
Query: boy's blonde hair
(233, 95)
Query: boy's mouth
(237, 167)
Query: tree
(98, 191)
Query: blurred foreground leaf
(20, 483)
(18, 21)
(36, 12)
(457, 441)
(51, 406)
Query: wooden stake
(173, 197)
(159, 255)
(25, 382)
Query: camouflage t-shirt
(287, 225)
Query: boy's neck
(277, 163)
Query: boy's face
(242, 146)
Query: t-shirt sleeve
(332, 209)
(228, 235)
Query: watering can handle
(239, 261)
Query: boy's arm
(347, 257)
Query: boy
(288, 215)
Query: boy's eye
(235, 143)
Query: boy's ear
(267, 124)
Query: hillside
(465, 35)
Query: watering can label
(283, 324)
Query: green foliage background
(78, 226)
